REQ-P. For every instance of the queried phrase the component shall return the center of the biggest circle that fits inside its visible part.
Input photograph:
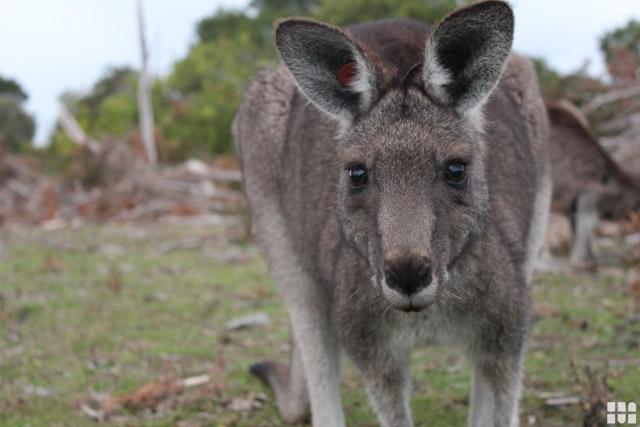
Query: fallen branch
(224, 175)
(561, 401)
(620, 123)
(194, 381)
(163, 184)
(97, 416)
(610, 97)
(75, 132)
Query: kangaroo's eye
(456, 174)
(357, 177)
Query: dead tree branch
(75, 132)
(610, 97)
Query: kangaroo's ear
(330, 68)
(466, 53)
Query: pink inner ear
(347, 73)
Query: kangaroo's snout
(408, 274)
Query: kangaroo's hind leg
(289, 384)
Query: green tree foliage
(110, 107)
(627, 36)
(17, 127)
(621, 48)
(226, 23)
(356, 11)
(195, 105)
(269, 11)
(58, 154)
(11, 87)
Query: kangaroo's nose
(409, 276)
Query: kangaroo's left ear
(466, 53)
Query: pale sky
(50, 46)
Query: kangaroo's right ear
(330, 68)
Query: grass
(108, 309)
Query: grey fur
(328, 246)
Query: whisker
(454, 295)
(354, 293)
(385, 310)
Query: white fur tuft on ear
(475, 116)
(435, 75)
(364, 82)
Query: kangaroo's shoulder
(265, 107)
(518, 101)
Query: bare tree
(145, 110)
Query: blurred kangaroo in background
(399, 184)
(587, 182)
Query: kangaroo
(587, 182)
(398, 183)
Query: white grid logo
(621, 413)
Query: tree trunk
(145, 110)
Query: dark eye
(456, 174)
(357, 176)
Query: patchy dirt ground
(110, 323)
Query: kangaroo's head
(412, 192)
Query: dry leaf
(114, 280)
(52, 264)
(148, 396)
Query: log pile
(112, 183)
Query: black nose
(408, 279)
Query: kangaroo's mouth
(410, 303)
(412, 309)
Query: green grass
(107, 309)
